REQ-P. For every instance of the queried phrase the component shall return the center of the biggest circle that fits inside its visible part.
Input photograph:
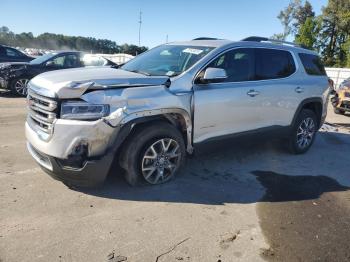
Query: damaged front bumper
(76, 154)
(91, 174)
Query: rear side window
(273, 64)
(312, 64)
(13, 53)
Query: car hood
(12, 65)
(72, 83)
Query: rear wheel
(19, 87)
(154, 154)
(303, 132)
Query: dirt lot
(242, 201)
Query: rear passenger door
(277, 84)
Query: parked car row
(15, 75)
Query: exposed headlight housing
(83, 111)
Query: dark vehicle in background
(16, 75)
(341, 99)
(9, 54)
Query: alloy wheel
(21, 86)
(305, 132)
(161, 160)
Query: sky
(118, 20)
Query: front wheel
(154, 154)
(19, 87)
(303, 132)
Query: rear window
(13, 52)
(312, 64)
(272, 64)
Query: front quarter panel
(141, 103)
(138, 100)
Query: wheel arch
(179, 118)
(314, 104)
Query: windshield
(167, 60)
(42, 58)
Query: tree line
(62, 42)
(327, 33)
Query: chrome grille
(42, 111)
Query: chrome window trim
(249, 81)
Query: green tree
(328, 33)
(335, 32)
(307, 33)
(293, 17)
(286, 17)
(301, 14)
(63, 42)
(346, 50)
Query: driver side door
(225, 107)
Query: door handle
(299, 89)
(252, 93)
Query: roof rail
(265, 39)
(205, 38)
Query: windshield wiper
(140, 72)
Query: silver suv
(151, 112)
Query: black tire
(295, 146)
(339, 111)
(132, 153)
(15, 90)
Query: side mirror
(212, 74)
(49, 63)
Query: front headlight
(83, 110)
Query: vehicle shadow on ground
(223, 172)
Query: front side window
(65, 61)
(238, 64)
(312, 64)
(167, 60)
(273, 64)
(58, 61)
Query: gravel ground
(238, 201)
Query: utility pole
(140, 22)
(166, 39)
